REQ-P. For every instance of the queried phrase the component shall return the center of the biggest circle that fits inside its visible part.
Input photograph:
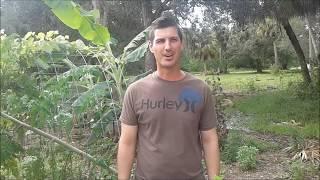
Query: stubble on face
(167, 47)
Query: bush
(300, 170)
(303, 90)
(190, 64)
(247, 157)
(249, 85)
(275, 69)
(230, 148)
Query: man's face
(166, 47)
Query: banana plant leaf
(89, 98)
(75, 17)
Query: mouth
(169, 56)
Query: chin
(169, 65)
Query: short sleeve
(208, 118)
(128, 115)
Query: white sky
(198, 13)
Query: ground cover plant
(250, 81)
(284, 112)
(72, 89)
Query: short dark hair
(164, 22)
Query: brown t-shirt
(169, 116)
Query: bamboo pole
(58, 141)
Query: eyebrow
(171, 37)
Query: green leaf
(76, 73)
(67, 13)
(64, 119)
(42, 64)
(90, 97)
(86, 31)
(100, 127)
(92, 15)
(218, 178)
(69, 63)
(9, 149)
(137, 54)
(48, 46)
(75, 17)
(103, 35)
(136, 41)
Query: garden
(65, 66)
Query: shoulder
(135, 86)
(197, 81)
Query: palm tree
(271, 30)
(246, 11)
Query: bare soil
(273, 164)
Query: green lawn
(251, 81)
(279, 111)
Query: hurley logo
(186, 102)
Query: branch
(160, 9)
(57, 140)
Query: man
(168, 116)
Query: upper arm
(209, 136)
(128, 134)
(128, 112)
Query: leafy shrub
(297, 171)
(232, 144)
(190, 64)
(247, 157)
(300, 170)
(216, 88)
(230, 148)
(34, 167)
(251, 85)
(303, 90)
(275, 69)
(218, 178)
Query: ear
(150, 47)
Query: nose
(167, 45)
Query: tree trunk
(98, 4)
(223, 64)
(104, 17)
(146, 7)
(259, 65)
(205, 67)
(312, 60)
(315, 48)
(220, 61)
(311, 54)
(295, 43)
(316, 52)
(276, 58)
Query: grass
(244, 81)
(236, 139)
(280, 113)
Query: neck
(170, 74)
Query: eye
(174, 39)
(159, 41)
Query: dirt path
(273, 164)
